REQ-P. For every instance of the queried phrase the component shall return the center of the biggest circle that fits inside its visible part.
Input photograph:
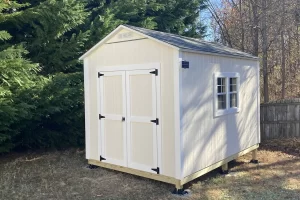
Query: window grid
(221, 93)
(227, 93)
(233, 92)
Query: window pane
(233, 81)
(222, 102)
(233, 87)
(223, 81)
(219, 81)
(221, 89)
(233, 100)
(221, 85)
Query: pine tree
(50, 34)
(179, 17)
(17, 74)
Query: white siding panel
(208, 139)
(142, 51)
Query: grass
(63, 175)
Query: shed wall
(141, 51)
(207, 139)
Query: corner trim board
(177, 114)
(87, 109)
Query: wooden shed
(168, 107)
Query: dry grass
(63, 175)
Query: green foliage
(41, 105)
(17, 75)
(179, 17)
(57, 117)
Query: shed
(168, 107)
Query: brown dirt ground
(63, 175)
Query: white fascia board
(218, 54)
(100, 43)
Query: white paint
(132, 67)
(177, 118)
(100, 43)
(217, 54)
(87, 109)
(189, 136)
(208, 139)
(142, 54)
(113, 33)
(258, 103)
(135, 70)
(112, 117)
(228, 110)
(142, 120)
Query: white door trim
(132, 67)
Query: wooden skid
(178, 183)
(216, 165)
(149, 175)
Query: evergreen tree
(17, 74)
(50, 34)
(173, 16)
(42, 104)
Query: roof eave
(219, 54)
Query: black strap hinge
(101, 158)
(155, 72)
(156, 170)
(101, 117)
(156, 121)
(99, 74)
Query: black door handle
(123, 119)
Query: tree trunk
(265, 50)
(242, 26)
(283, 79)
(255, 27)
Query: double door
(128, 118)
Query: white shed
(168, 107)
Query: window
(227, 93)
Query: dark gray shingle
(192, 43)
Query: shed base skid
(178, 183)
(254, 157)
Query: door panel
(141, 95)
(113, 94)
(114, 139)
(112, 126)
(142, 143)
(141, 109)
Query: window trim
(227, 76)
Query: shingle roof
(192, 43)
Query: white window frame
(227, 76)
